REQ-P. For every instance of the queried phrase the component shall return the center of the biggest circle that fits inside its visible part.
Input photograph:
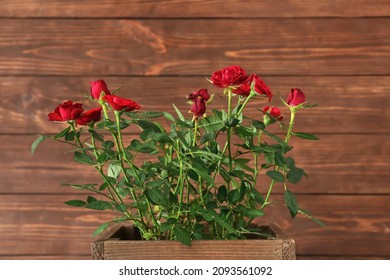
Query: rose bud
(198, 108)
(274, 112)
(97, 87)
(93, 115)
(121, 104)
(199, 99)
(229, 76)
(296, 97)
(259, 86)
(66, 111)
(202, 93)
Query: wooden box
(120, 243)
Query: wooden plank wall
(337, 51)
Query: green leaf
(157, 197)
(102, 158)
(223, 223)
(290, 162)
(38, 141)
(165, 226)
(203, 174)
(182, 235)
(96, 135)
(153, 115)
(207, 137)
(232, 122)
(144, 124)
(156, 183)
(258, 124)
(169, 117)
(275, 137)
(62, 133)
(83, 158)
(135, 145)
(75, 203)
(253, 213)
(307, 214)
(121, 207)
(295, 174)
(279, 159)
(258, 197)
(305, 135)
(69, 136)
(234, 196)
(81, 186)
(291, 202)
(206, 216)
(114, 170)
(212, 123)
(103, 186)
(108, 144)
(179, 114)
(101, 228)
(91, 199)
(275, 175)
(99, 205)
(146, 134)
(222, 194)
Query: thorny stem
(110, 188)
(229, 131)
(290, 127)
(196, 122)
(123, 157)
(288, 136)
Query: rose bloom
(259, 86)
(97, 87)
(89, 116)
(66, 111)
(296, 97)
(274, 112)
(229, 76)
(199, 99)
(118, 103)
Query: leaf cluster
(197, 178)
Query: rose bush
(200, 177)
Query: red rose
(274, 112)
(198, 108)
(118, 103)
(229, 76)
(296, 97)
(89, 116)
(202, 93)
(66, 111)
(259, 86)
(199, 99)
(97, 87)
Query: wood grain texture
(160, 51)
(357, 224)
(336, 164)
(346, 104)
(319, 46)
(42, 225)
(120, 243)
(193, 8)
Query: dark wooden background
(338, 52)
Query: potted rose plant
(186, 178)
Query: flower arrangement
(196, 178)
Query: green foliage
(38, 141)
(189, 178)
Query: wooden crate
(121, 242)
